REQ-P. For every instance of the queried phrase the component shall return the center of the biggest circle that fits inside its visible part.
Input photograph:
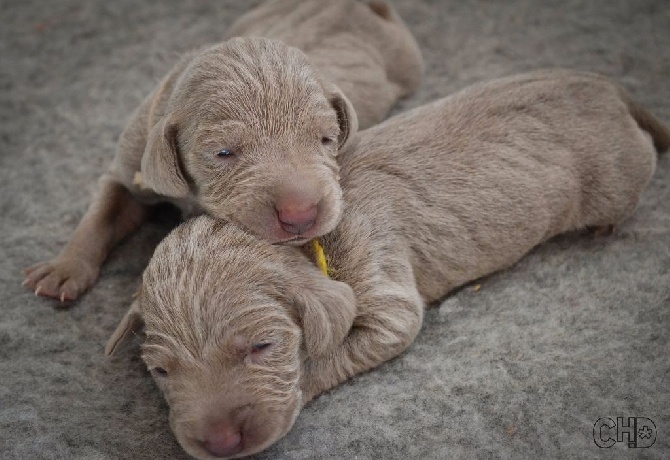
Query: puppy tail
(648, 122)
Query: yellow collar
(320, 254)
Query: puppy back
(475, 180)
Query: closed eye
(225, 153)
(259, 347)
(159, 371)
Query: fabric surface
(521, 368)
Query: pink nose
(223, 440)
(297, 220)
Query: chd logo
(636, 431)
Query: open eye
(225, 153)
(159, 371)
(259, 347)
(327, 140)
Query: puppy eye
(161, 372)
(325, 140)
(259, 347)
(225, 153)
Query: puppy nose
(223, 440)
(297, 219)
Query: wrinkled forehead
(209, 279)
(206, 327)
(258, 82)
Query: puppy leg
(114, 214)
(391, 317)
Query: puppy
(241, 333)
(364, 47)
(248, 131)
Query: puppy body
(364, 47)
(452, 191)
(434, 198)
(469, 184)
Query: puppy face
(229, 321)
(252, 133)
(231, 378)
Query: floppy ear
(346, 115)
(161, 168)
(131, 322)
(327, 309)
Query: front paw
(64, 278)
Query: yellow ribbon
(321, 260)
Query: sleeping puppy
(364, 47)
(241, 333)
(248, 131)
(245, 131)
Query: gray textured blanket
(521, 368)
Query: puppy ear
(161, 168)
(131, 322)
(327, 309)
(346, 115)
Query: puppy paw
(63, 278)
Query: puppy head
(252, 132)
(229, 320)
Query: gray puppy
(241, 333)
(248, 131)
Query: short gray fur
(521, 368)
